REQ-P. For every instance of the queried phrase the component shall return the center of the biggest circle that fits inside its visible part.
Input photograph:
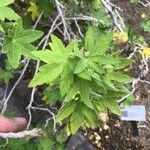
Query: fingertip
(21, 123)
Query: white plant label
(133, 113)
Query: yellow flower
(145, 52)
(34, 9)
(120, 37)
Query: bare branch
(61, 13)
(5, 100)
(117, 19)
(23, 134)
(85, 18)
(147, 4)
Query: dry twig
(23, 134)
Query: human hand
(14, 124)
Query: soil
(115, 135)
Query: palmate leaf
(72, 91)
(66, 78)
(99, 106)
(113, 106)
(80, 86)
(84, 80)
(58, 50)
(104, 60)
(97, 44)
(56, 60)
(119, 77)
(57, 46)
(48, 56)
(89, 39)
(102, 105)
(89, 115)
(6, 2)
(17, 43)
(47, 74)
(108, 82)
(66, 111)
(6, 12)
(84, 90)
(123, 62)
(103, 43)
(85, 74)
(1, 28)
(76, 119)
(81, 65)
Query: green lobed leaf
(84, 90)
(123, 62)
(95, 76)
(90, 115)
(113, 106)
(99, 106)
(74, 88)
(6, 12)
(66, 78)
(70, 48)
(65, 85)
(57, 45)
(117, 94)
(76, 120)
(51, 95)
(103, 43)
(81, 65)
(1, 29)
(58, 51)
(48, 56)
(13, 54)
(108, 82)
(26, 36)
(89, 39)
(79, 52)
(99, 86)
(6, 2)
(97, 67)
(103, 59)
(119, 77)
(17, 43)
(85, 74)
(66, 110)
(46, 74)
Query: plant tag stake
(134, 113)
